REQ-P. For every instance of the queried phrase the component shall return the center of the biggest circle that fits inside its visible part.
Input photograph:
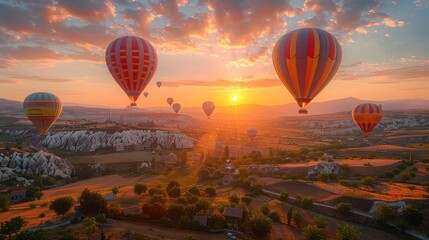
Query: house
(170, 160)
(119, 148)
(132, 210)
(202, 220)
(227, 180)
(233, 216)
(17, 194)
(145, 164)
(110, 197)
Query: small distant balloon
(251, 133)
(367, 116)
(132, 62)
(158, 84)
(43, 110)
(170, 101)
(145, 94)
(208, 108)
(176, 107)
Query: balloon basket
(302, 111)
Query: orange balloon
(367, 116)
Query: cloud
(10, 81)
(240, 23)
(347, 16)
(40, 79)
(401, 73)
(41, 53)
(251, 58)
(243, 83)
(6, 63)
(89, 10)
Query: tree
(34, 193)
(4, 203)
(92, 203)
(89, 226)
(289, 215)
(140, 188)
(411, 215)
(210, 191)
(13, 226)
(275, 217)
(260, 224)
(246, 200)
(204, 174)
(189, 237)
(320, 222)
(384, 213)
(369, 181)
(174, 192)
(226, 152)
(175, 211)
(234, 199)
(202, 204)
(195, 191)
(297, 217)
(217, 220)
(347, 232)
(284, 197)
(312, 232)
(62, 205)
(115, 190)
(344, 208)
(172, 184)
(155, 191)
(307, 201)
(265, 210)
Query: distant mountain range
(244, 111)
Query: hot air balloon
(43, 109)
(306, 60)
(170, 101)
(208, 107)
(158, 84)
(251, 132)
(145, 94)
(367, 116)
(132, 62)
(176, 107)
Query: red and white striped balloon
(132, 62)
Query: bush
(171, 185)
(204, 174)
(62, 205)
(265, 209)
(347, 232)
(320, 222)
(174, 192)
(344, 208)
(195, 191)
(284, 197)
(155, 191)
(92, 203)
(307, 201)
(369, 181)
(42, 215)
(115, 190)
(140, 188)
(234, 199)
(246, 200)
(312, 232)
(344, 182)
(210, 191)
(411, 215)
(384, 213)
(275, 217)
(260, 224)
(297, 217)
(4, 203)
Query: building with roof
(202, 220)
(233, 216)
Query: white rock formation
(324, 167)
(398, 205)
(21, 166)
(89, 141)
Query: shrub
(297, 217)
(265, 210)
(312, 232)
(174, 192)
(260, 224)
(347, 232)
(275, 217)
(320, 222)
(155, 191)
(115, 190)
(140, 188)
(234, 199)
(195, 191)
(284, 196)
(246, 200)
(92, 203)
(344, 182)
(411, 215)
(42, 215)
(204, 174)
(344, 208)
(62, 205)
(210, 191)
(307, 201)
(384, 213)
(369, 181)
(172, 184)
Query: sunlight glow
(234, 98)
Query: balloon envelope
(145, 94)
(367, 116)
(208, 108)
(158, 84)
(176, 107)
(306, 60)
(132, 62)
(43, 109)
(170, 101)
(251, 132)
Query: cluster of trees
(316, 230)
(410, 215)
(13, 230)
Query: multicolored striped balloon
(132, 62)
(367, 116)
(306, 60)
(43, 109)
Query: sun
(234, 98)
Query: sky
(210, 49)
